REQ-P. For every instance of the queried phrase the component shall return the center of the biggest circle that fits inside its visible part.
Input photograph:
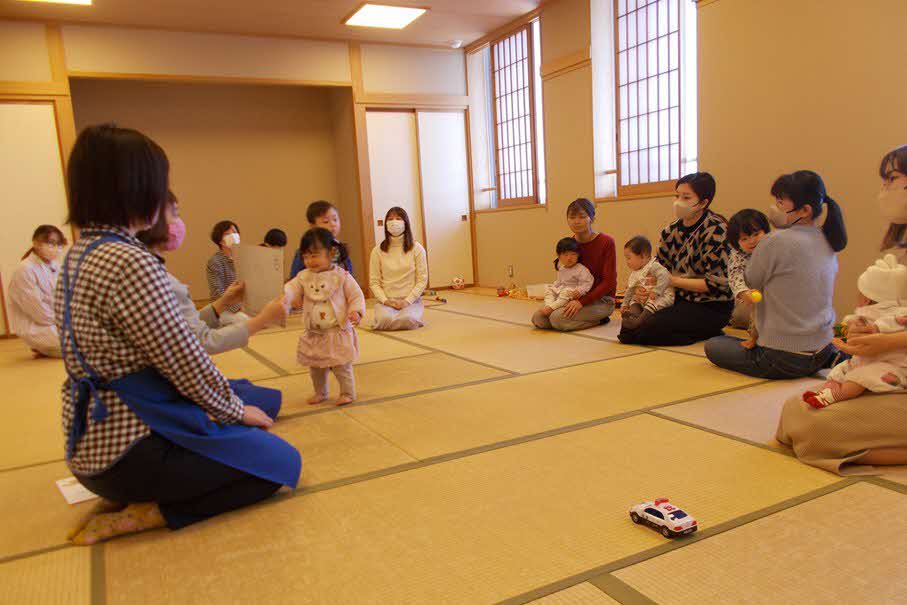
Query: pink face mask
(177, 233)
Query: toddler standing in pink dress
(332, 305)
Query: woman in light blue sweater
(795, 269)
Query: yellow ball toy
(756, 295)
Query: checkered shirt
(221, 273)
(125, 318)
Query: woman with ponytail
(852, 436)
(794, 268)
(31, 292)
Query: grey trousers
(587, 317)
(344, 375)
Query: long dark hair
(42, 233)
(806, 188)
(896, 159)
(408, 241)
(746, 222)
(318, 238)
(567, 244)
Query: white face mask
(231, 239)
(395, 227)
(893, 204)
(684, 211)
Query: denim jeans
(761, 362)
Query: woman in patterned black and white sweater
(694, 249)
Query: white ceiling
(446, 20)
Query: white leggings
(408, 318)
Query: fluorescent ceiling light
(380, 15)
(80, 2)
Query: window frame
(665, 187)
(501, 201)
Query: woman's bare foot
(101, 506)
(133, 519)
(343, 400)
(316, 399)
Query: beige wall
(139, 51)
(526, 238)
(254, 155)
(407, 69)
(23, 52)
(812, 84)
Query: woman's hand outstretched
(253, 416)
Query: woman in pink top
(31, 292)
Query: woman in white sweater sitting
(398, 274)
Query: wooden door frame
(365, 188)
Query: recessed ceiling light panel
(79, 2)
(382, 15)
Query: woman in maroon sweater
(597, 253)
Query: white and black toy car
(663, 516)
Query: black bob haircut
(746, 222)
(276, 238)
(217, 233)
(116, 176)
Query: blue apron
(165, 411)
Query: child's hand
(749, 343)
(355, 317)
(546, 310)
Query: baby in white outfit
(649, 274)
(883, 293)
(573, 278)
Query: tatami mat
(749, 413)
(448, 421)
(581, 594)
(33, 513)
(516, 348)
(386, 379)
(335, 446)
(473, 530)
(30, 427)
(503, 308)
(280, 348)
(239, 364)
(846, 547)
(61, 577)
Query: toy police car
(664, 517)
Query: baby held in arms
(649, 287)
(883, 299)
